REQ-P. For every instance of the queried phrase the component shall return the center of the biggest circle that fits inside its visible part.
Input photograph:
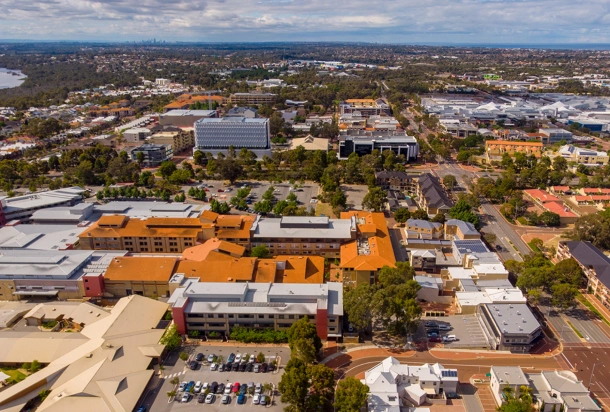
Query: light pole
(591, 377)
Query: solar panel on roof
(449, 373)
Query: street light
(591, 377)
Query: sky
(382, 21)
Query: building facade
(154, 154)
(253, 98)
(239, 132)
(365, 143)
(185, 118)
(495, 149)
(510, 327)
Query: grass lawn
(592, 308)
(533, 246)
(324, 209)
(576, 331)
(15, 375)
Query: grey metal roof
(513, 318)
(298, 228)
(510, 375)
(589, 256)
(466, 228)
(425, 224)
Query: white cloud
(397, 21)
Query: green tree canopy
(351, 395)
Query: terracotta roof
(208, 216)
(183, 228)
(201, 252)
(592, 198)
(157, 269)
(380, 250)
(560, 209)
(233, 221)
(224, 270)
(598, 190)
(560, 188)
(112, 220)
(542, 196)
(512, 143)
(300, 269)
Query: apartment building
(153, 235)
(154, 154)
(136, 135)
(389, 180)
(219, 307)
(508, 326)
(431, 195)
(185, 118)
(246, 99)
(366, 107)
(583, 156)
(594, 263)
(458, 229)
(423, 229)
(247, 112)
(370, 250)
(495, 149)
(394, 386)
(179, 141)
(230, 228)
(308, 235)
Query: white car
(449, 338)
(205, 387)
(226, 399)
(186, 397)
(210, 398)
(198, 386)
(213, 366)
(228, 388)
(228, 189)
(237, 358)
(256, 400)
(264, 400)
(182, 386)
(211, 357)
(258, 388)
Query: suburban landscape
(304, 227)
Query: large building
(108, 368)
(393, 386)
(40, 237)
(185, 101)
(389, 180)
(185, 118)
(587, 157)
(364, 144)
(246, 99)
(495, 149)
(135, 136)
(153, 235)
(217, 135)
(294, 235)
(511, 327)
(219, 307)
(179, 141)
(366, 107)
(22, 207)
(154, 154)
(551, 136)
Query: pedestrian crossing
(173, 375)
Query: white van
(449, 338)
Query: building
(136, 135)
(594, 263)
(566, 215)
(393, 386)
(179, 141)
(431, 196)
(153, 235)
(247, 112)
(217, 135)
(583, 156)
(154, 154)
(50, 274)
(295, 235)
(23, 207)
(502, 377)
(423, 259)
(219, 307)
(371, 249)
(510, 327)
(230, 228)
(185, 118)
(423, 229)
(495, 149)
(366, 107)
(185, 101)
(389, 180)
(107, 369)
(458, 229)
(399, 143)
(555, 136)
(40, 237)
(246, 99)
(310, 143)
(467, 302)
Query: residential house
(431, 196)
(423, 229)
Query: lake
(8, 80)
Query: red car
(235, 388)
(220, 190)
(434, 339)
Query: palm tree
(174, 381)
(526, 394)
(171, 394)
(508, 392)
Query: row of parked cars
(434, 329)
(235, 363)
(206, 392)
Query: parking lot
(466, 329)
(355, 194)
(176, 368)
(304, 193)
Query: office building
(246, 99)
(365, 107)
(511, 327)
(136, 135)
(393, 386)
(364, 143)
(310, 235)
(217, 135)
(179, 141)
(22, 207)
(247, 112)
(219, 307)
(152, 235)
(551, 136)
(185, 118)
(154, 154)
(583, 156)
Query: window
(290, 316)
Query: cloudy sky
(388, 21)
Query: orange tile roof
(208, 216)
(542, 196)
(512, 143)
(138, 268)
(112, 220)
(560, 188)
(381, 252)
(201, 252)
(560, 209)
(140, 228)
(300, 269)
(225, 270)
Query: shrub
(50, 324)
(246, 335)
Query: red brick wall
(93, 285)
(322, 323)
(180, 319)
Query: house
(422, 259)
(566, 216)
(503, 377)
(583, 156)
(423, 229)
(431, 196)
(393, 386)
(458, 229)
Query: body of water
(8, 79)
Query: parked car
(264, 368)
(235, 367)
(434, 332)
(220, 190)
(242, 367)
(228, 388)
(235, 387)
(210, 398)
(252, 359)
(434, 339)
(452, 395)
(231, 358)
(444, 327)
(226, 399)
(214, 367)
(264, 400)
(205, 387)
(250, 385)
(243, 388)
(193, 365)
(256, 400)
(220, 389)
(237, 358)
(228, 367)
(241, 399)
(186, 397)
(182, 386)
(199, 357)
(258, 388)
(211, 357)
(430, 324)
(449, 338)
(221, 367)
(213, 387)
(257, 367)
(201, 398)
(142, 408)
(250, 367)
(271, 367)
(228, 189)
(189, 386)
(198, 386)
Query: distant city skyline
(451, 22)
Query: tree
(198, 157)
(294, 385)
(167, 168)
(550, 219)
(449, 181)
(263, 206)
(171, 339)
(351, 395)
(398, 275)
(375, 199)
(260, 252)
(357, 304)
(439, 218)
(402, 214)
(184, 356)
(35, 366)
(180, 177)
(420, 214)
(171, 394)
(140, 158)
(463, 211)
(229, 169)
(564, 295)
(303, 340)
(53, 162)
(321, 389)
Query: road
(592, 365)
(400, 252)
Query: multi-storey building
(153, 235)
(219, 307)
(154, 154)
(507, 326)
(179, 141)
(185, 118)
(292, 235)
(495, 149)
(364, 143)
(257, 98)
(136, 135)
(431, 196)
(555, 135)
(423, 229)
(23, 207)
(217, 135)
(458, 229)
(185, 101)
(389, 180)
(366, 107)
(583, 156)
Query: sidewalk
(598, 305)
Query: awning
(36, 292)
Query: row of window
(245, 316)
